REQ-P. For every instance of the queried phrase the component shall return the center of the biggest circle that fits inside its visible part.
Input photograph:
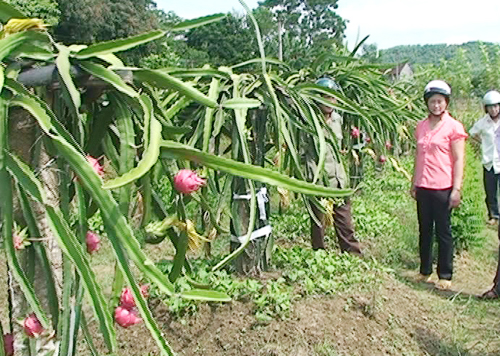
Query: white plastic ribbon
(262, 199)
(242, 197)
(263, 231)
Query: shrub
(303, 272)
(293, 225)
(468, 219)
(384, 213)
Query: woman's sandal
(489, 295)
(424, 278)
(443, 284)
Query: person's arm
(458, 154)
(475, 131)
(413, 189)
(476, 137)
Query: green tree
(489, 77)
(309, 27)
(432, 54)
(88, 21)
(165, 55)
(166, 19)
(43, 9)
(203, 44)
(269, 30)
(238, 42)
(165, 58)
(174, 51)
(456, 71)
(370, 52)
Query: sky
(388, 22)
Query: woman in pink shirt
(437, 180)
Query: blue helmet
(328, 82)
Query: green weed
(325, 349)
(468, 219)
(292, 226)
(304, 272)
(385, 215)
(320, 272)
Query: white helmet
(491, 98)
(436, 87)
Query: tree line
(293, 31)
(429, 53)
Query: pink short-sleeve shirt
(434, 163)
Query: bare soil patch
(400, 318)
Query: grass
(325, 349)
(471, 327)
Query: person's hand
(476, 138)
(413, 192)
(454, 198)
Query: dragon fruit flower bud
(20, 238)
(187, 181)
(355, 132)
(144, 290)
(92, 240)
(382, 159)
(19, 242)
(388, 145)
(127, 300)
(126, 317)
(95, 165)
(8, 344)
(32, 326)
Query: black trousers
(496, 281)
(434, 215)
(491, 181)
(344, 228)
(496, 285)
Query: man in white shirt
(484, 131)
(494, 112)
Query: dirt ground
(3, 291)
(401, 318)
